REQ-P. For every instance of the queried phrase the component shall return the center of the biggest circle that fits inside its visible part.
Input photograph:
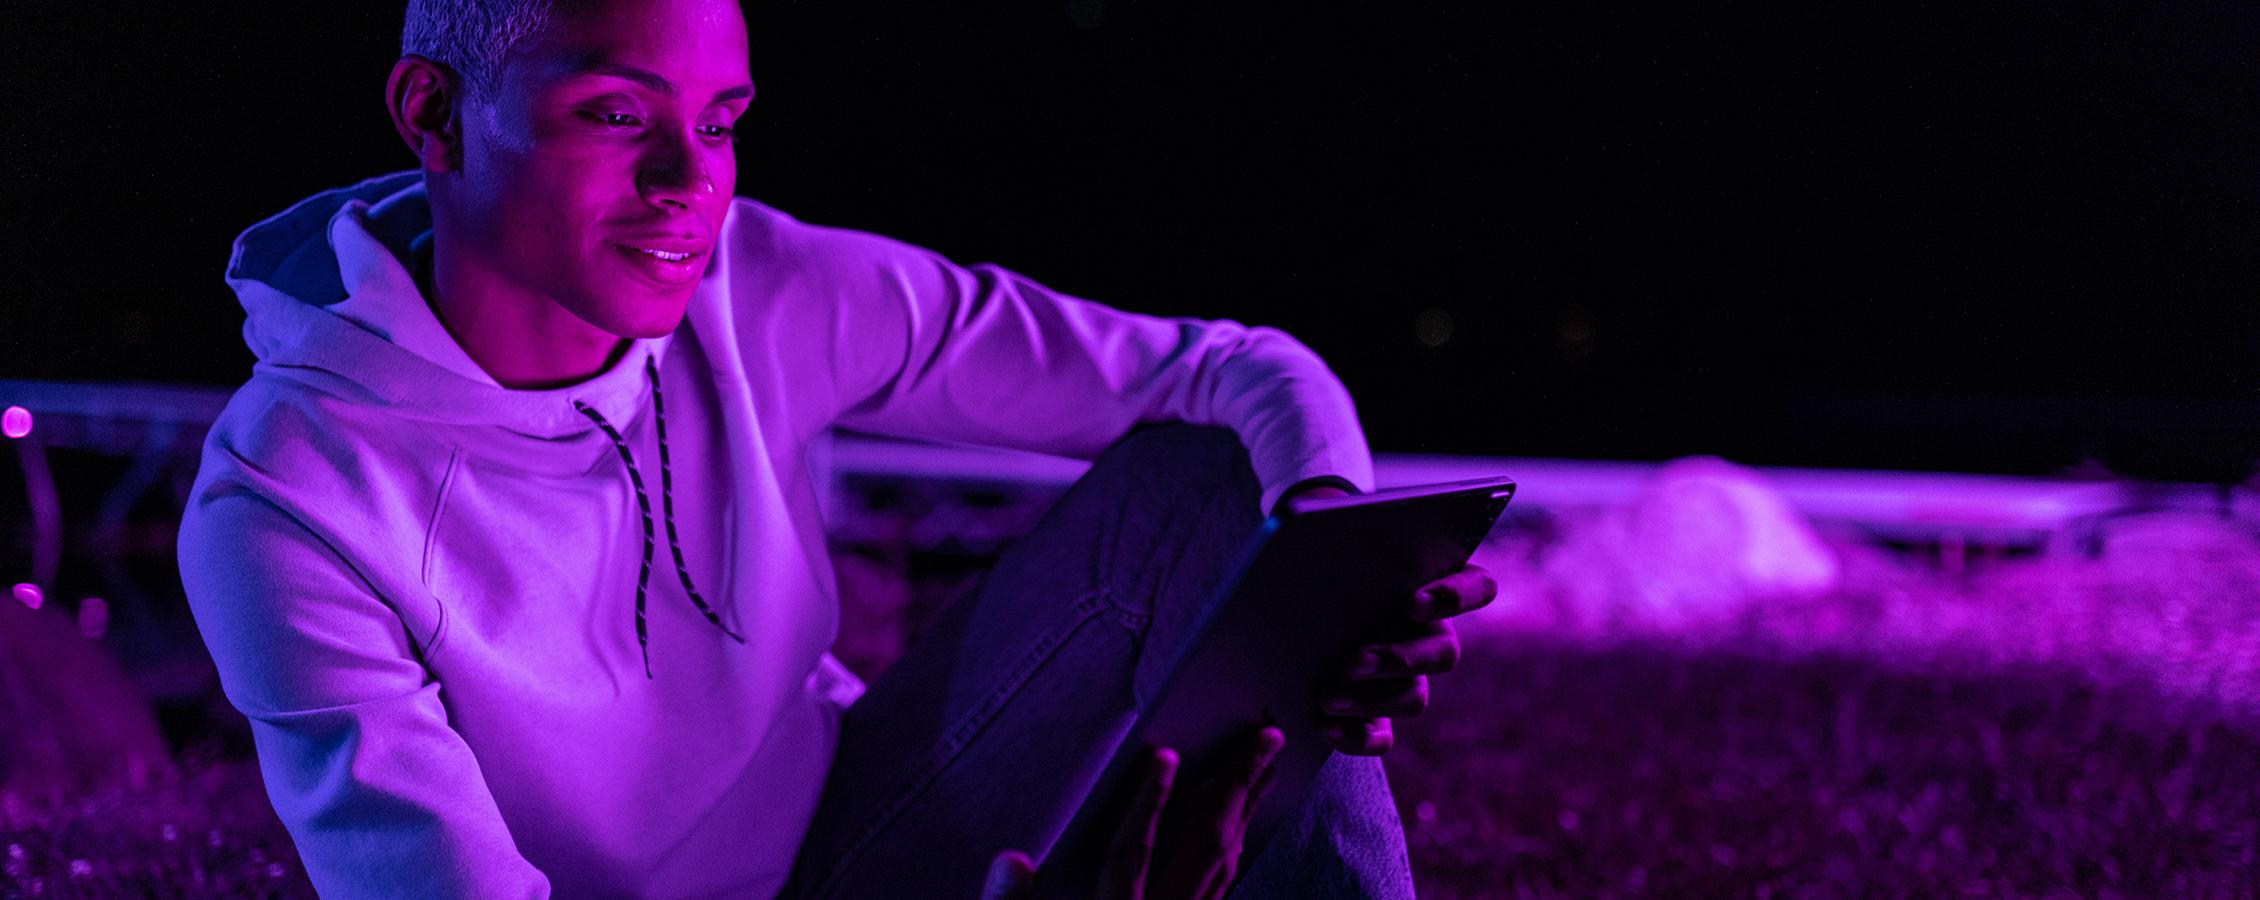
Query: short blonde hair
(470, 36)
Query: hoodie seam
(431, 540)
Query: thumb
(1011, 877)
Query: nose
(675, 174)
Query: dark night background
(1982, 237)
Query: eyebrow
(649, 79)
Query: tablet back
(1316, 582)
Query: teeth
(662, 254)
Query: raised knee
(1206, 457)
(1214, 438)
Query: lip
(672, 273)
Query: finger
(1267, 743)
(1219, 880)
(1132, 851)
(1011, 877)
(1380, 699)
(1360, 737)
(1213, 839)
(1469, 589)
(1256, 794)
(1434, 650)
(1241, 799)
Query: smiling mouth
(671, 267)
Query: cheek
(723, 168)
(552, 204)
(723, 164)
(534, 240)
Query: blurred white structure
(1702, 538)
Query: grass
(2032, 728)
(203, 831)
(1633, 770)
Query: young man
(422, 544)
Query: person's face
(598, 169)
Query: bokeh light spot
(1432, 327)
(1574, 333)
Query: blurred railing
(161, 428)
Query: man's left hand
(1389, 679)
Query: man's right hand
(1195, 861)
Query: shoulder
(774, 243)
(337, 466)
(294, 430)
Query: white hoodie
(423, 588)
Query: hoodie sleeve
(382, 797)
(983, 355)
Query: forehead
(697, 44)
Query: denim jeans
(1004, 709)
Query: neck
(524, 340)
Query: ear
(422, 96)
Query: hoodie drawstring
(643, 505)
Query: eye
(722, 132)
(611, 119)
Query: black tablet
(1316, 581)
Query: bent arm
(984, 355)
(381, 795)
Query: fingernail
(1368, 663)
(1424, 603)
(1338, 706)
(1008, 873)
(1163, 766)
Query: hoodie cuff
(1316, 481)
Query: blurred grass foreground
(2040, 726)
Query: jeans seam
(1086, 608)
(1138, 619)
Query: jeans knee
(1172, 507)
(1201, 460)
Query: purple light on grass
(28, 595)
(16, 422)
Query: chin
(654, 330)
(660, 319)
(635, 310)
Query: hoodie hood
(292, 271)
(295, 272)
